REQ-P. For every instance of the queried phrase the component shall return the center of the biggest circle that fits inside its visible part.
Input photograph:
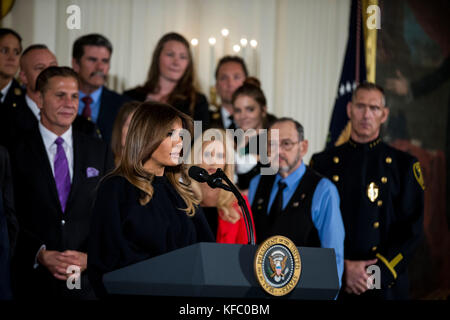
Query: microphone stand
(241, 201)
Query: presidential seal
(277, 265)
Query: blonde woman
(212, 151)
(142, 209)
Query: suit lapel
(39, 154)
(103, 114)
(78, 166)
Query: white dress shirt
(225, 120)
(49, 138)
(33, 107)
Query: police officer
(10, 49)
(10, 90)
(381, 191)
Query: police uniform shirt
(4, 91)
(381, 191)
(325, 212)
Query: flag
(353, 73)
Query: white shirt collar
(5, 90)
(225, 114)
(49, 137)
(33, 107)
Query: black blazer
(15, 92)
(124, 232)
(110, 103)
(13, 100)
(39, 212)
(8, 224)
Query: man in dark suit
(25, 115)
(231, 72)
(56, 169)
(8, 224)
(10, 90)
(91, 57)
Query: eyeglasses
(286, 145)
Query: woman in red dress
(221, 207)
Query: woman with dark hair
(250, 114)
(142, 209)
(171, 79)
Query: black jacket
(8, 224)
(110, 103)
(382, 203)
(201, 106)
(123, 232)
(39, 211)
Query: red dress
(228, 232)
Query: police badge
(277, 265)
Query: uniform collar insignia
(369, 145)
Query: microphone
(201, 175)
(198, 174)
(215, 181)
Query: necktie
(277, 205)
(62, 175)
(232, 125)
(87, 107)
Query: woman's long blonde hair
(225, 199)
(149, 126)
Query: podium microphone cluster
(216, 180)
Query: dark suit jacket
(110, 103)
(14, 93)
(8, 224)
(39, 212)
(13, 99)
(215, 119)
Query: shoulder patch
(418, 174)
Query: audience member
(297, 203)
(171, 79)
(91, 58)
(381, 189)
(230, 74)
(221, 207)
(250, 115)
(56, 171)
(120, 128)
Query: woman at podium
(142, 208)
